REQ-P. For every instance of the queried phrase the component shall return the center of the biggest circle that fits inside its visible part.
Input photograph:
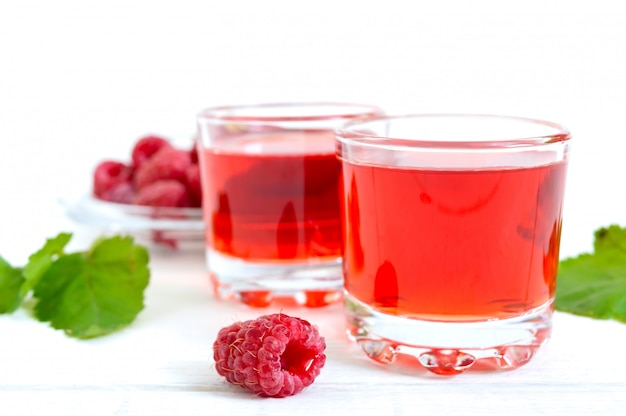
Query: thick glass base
(314, 283)
(446, 347)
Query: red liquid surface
(274, 197)
(452, 245)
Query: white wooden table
(162, 365)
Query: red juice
(452, 244)
(273, 196)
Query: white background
(80, 81)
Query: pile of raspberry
(158, 174)
(273, 356)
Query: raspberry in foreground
(273, 356)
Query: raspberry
(108, 174)
(167, 193)
(146, 147)
(193, 184)
(193, 152)
(273, 356)
(167, 163)
(122, 193)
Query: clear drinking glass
(271, 203)
(451, 228)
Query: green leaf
(611, 242)
(11, 280)
(97, 292)
(41, 260)
(594, 284)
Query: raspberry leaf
(611, 243)
(41, 260)
(93, 293)
(11, 281)
(594, 284)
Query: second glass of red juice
(271, 203)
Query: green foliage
(11, 280)
(594, 284)
(86, 294)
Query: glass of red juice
(270, 178)
(451, 230)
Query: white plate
(172, 227)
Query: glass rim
(245, 112)
(349, 133)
